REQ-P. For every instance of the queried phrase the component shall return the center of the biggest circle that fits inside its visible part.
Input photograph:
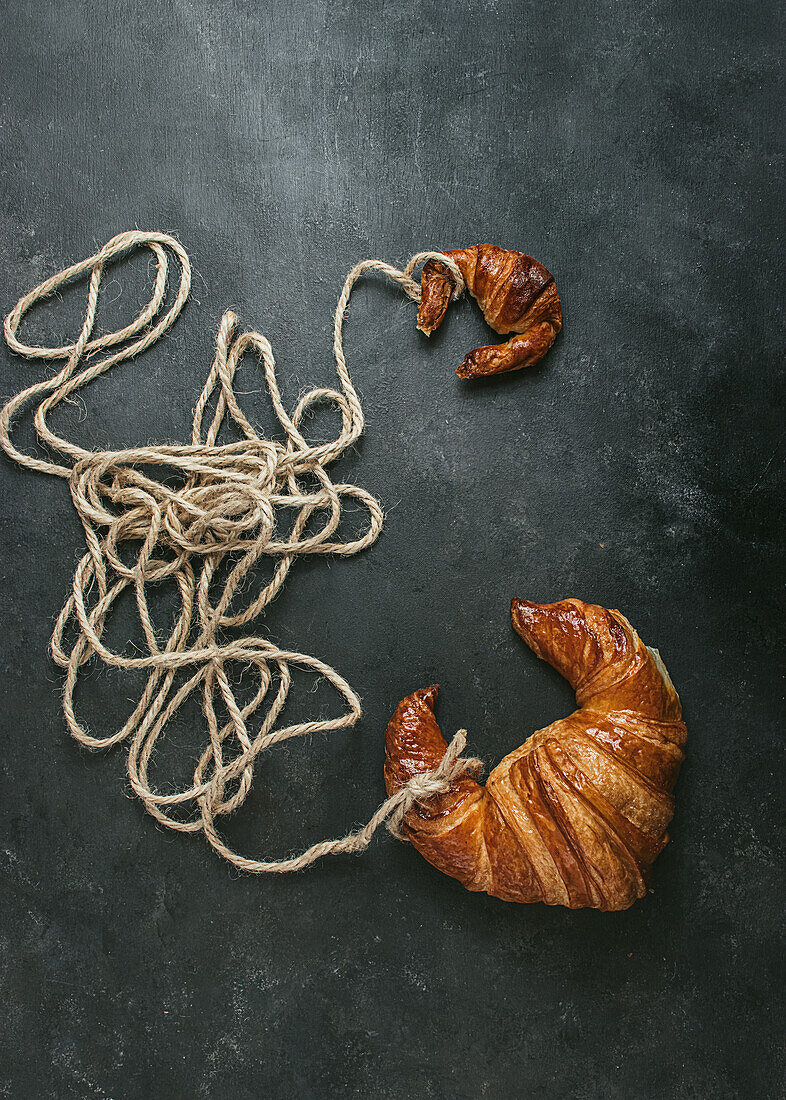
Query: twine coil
(203, 523)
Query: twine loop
(412, 287)
(199, 517)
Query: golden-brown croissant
(577, 815)
(516, 294)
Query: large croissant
(516, 294)
(577, 815)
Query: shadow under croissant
(577, 815)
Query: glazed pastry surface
(576, 815)
(517, 295)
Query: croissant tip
(528, 619)
(523, 608)
(429, 695)
(473, 366)
(467, 369)
(425, 697)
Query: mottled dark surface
(633, 150)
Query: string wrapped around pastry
(517, 295)
(578, 813)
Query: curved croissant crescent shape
(577, 815)
(517, 295)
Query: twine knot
(421, 788)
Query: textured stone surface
(632, 149)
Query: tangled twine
(205, 533)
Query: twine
(204, 523)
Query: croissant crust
(517, 295)
(576, 815)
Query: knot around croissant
(578, 813)
(517, 295)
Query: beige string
(204, 523)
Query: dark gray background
(630, 147)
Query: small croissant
(516, 293)
(577, 815)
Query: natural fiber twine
(203, 523)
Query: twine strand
(202, 525)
